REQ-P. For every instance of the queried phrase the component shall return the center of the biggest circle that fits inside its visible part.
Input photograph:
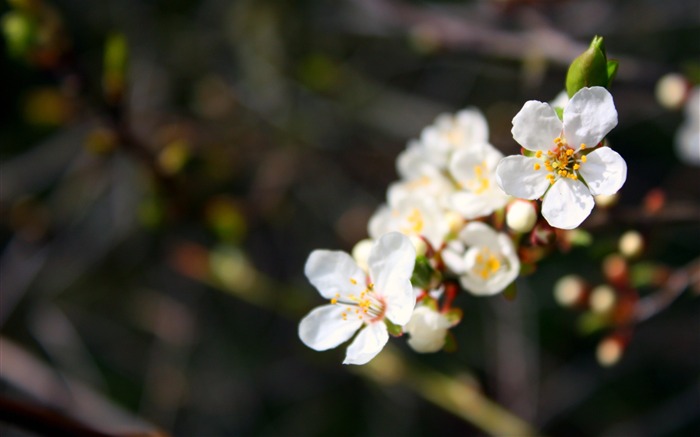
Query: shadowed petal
(324, 328)
(334, 272)
(589, 116)
(605, 171)
(516, 176)
(536, 126)
(368, 343)
(567, 203)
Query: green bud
(589, 69)
(422, 273)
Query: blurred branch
(89, 414)
(662, 298)
(459, 32)
(234, 275)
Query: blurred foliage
(167, 166)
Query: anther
(584, 158)
(537, 166)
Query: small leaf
(612, 70)
(394, 330)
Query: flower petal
(536, 126)
(334, 272)
(567, 203)
(516, 175)
(368, 343)
(604, 171)
(391, 266)
(324, 328)
(589, 116)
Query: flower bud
(671, 91)
(427, 329)
(569, 290)
(361, 253)
(419, 244)
(602, 299)
(631, 244)
(521, 216)
(590, 69)
(609, 351)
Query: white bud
(602, 299)
(427, 330)
(361, 253)
(609, 352)
(568, 290)
(521, 216)
(671, 90)
(631, 244)
(419, 244)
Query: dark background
(153, 244)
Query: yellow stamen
(584, 158)
(537, 166)
(538, 154)
(577, 166)
(353, 281)
(569, 152)
(583, 146)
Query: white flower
(561, 166)
(414, 216)
(474, 170)
(485, 259)
(688, 135)
(427, 329)
(452, 132)
(359, 300)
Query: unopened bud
(569, 290)
(631, 244)
(590, 68)
(609, 351)
(671, 90)
(419, 244)
(602, 299)
(521, 216)
(361, 253)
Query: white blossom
(485, 259)
(360, 301)
(474, 171)
(453, 132)
(564, 163)
(427, 330)
(414, 216)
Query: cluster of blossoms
(443, 223)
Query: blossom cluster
(462, 213)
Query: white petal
(567, 203)
(472, 205)
(368, 343)
(334, 272)
(536, 126)
(453, 257)
(391, 266)
(604, 171)
(516, 175)
(324, 328)
(589, 116)
(479, 234)
(380, 222)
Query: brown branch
(679, 280)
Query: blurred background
(167, 166)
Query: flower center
(486, 264)
(368, 306)
(561, 161)
(481, 181)
(414, 222)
